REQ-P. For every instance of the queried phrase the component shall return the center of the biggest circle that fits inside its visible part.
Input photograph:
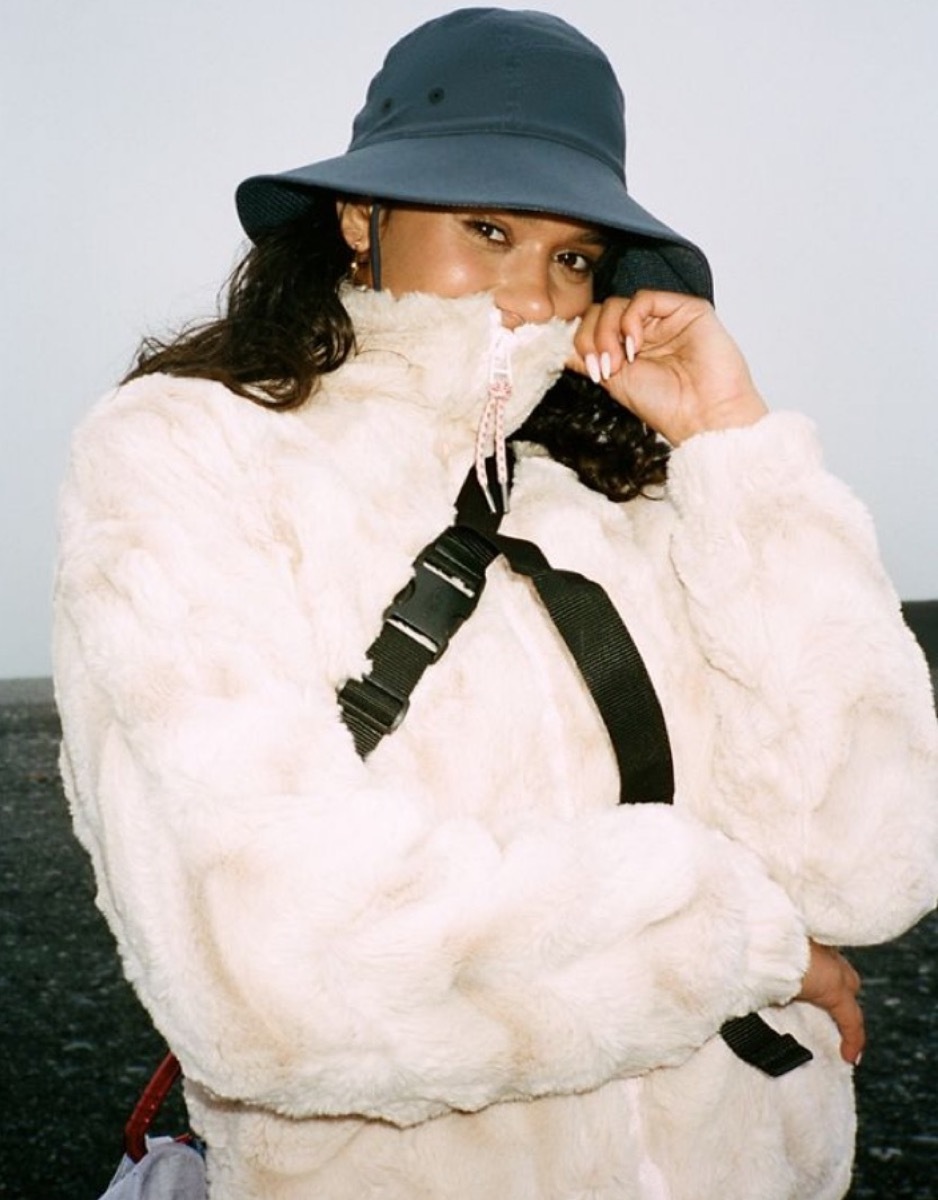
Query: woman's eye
(580, 264)
(489, 231)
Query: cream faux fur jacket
(459, 970)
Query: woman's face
(535, 266)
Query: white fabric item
(169, 1170)
(459, 969)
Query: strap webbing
(449, 575)
(612, 669)
(757, 1043)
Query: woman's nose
(524, 295)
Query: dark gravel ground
(77, 1048)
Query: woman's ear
(354, 217)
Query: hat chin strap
(375, 247)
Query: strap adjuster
(434, 603)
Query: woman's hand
(831, 983)
(667, 358)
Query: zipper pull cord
(491, 431)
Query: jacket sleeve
(310, 938)
(827, 758)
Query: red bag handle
(151, 1100)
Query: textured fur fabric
(460, 970)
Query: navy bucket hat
(491, 108)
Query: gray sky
(795, 140)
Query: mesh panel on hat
(661, 266)
(263, 206)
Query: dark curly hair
(282, 326)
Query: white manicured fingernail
(858, 1059)
(630, 348)
(605, 365)
(592, 366)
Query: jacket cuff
(777, 952)
(761, 460)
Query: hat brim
(491, 170)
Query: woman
(448, 963)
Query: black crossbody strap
(757, 1043)
(449, 575)
(612, 669)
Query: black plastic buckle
(434, 603)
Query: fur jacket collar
(446, 354)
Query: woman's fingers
(598, 342)
(667, 358)
(832, 983)
(616, 331)
(848, 1016)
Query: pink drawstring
(491, 429)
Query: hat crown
(487, 70)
